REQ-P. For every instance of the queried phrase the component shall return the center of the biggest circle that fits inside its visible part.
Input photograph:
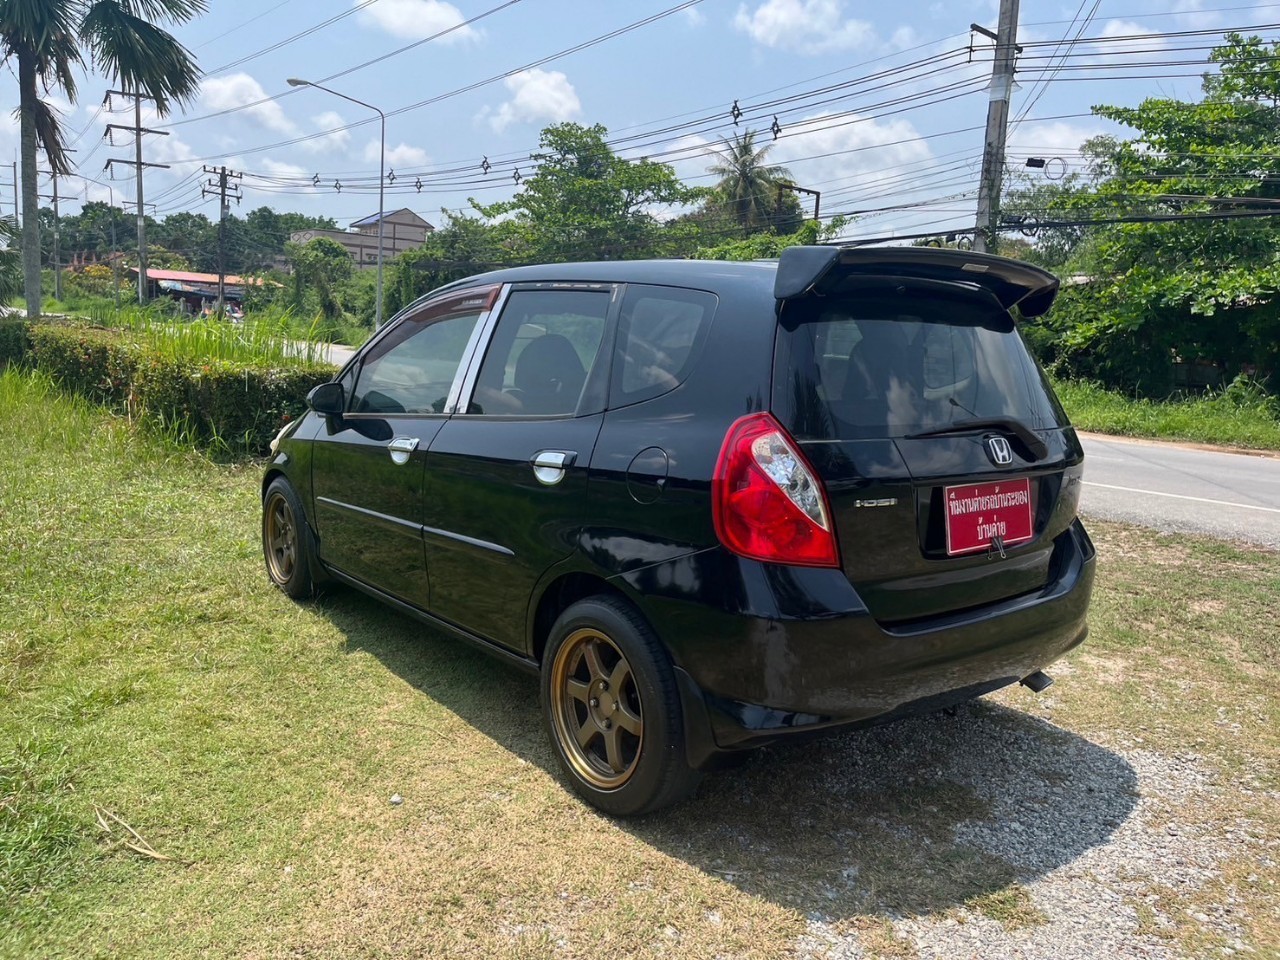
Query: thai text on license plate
(981, 516)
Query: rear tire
(612, 710)
(287, 544)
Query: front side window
(413, 368)
(542, 351)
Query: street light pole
(382, 166)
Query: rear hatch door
(949, 466)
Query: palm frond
(49, 137)
(10, 259)
(139, 55)
(165, 11)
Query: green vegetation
(1243, 415)
(52, 41)
(223, 387)
(149, 673)
(1153, 295)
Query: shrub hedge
(222, 404)
(13, 340)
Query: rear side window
(894, 364)
(660, 333)
(542, 351)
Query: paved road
(1183, 489)
(337, 354)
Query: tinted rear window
(894, 364)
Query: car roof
(711, 275)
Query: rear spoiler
(821, 269)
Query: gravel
(1091, 829)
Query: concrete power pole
(219, 188)
(986, 237)
(137, 130)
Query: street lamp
(382, 164)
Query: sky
(879, 106)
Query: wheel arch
(559, 594)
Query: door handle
(549, 465)
(400, 448)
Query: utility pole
(985, 237)
(219, 189)
(57, 226)
(137, 130)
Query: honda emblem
(1000, 451)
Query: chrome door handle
(549, 465)
(400, 448)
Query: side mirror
(327, 398)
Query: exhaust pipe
(1037, 682)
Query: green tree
(751, 192)
(587, 203)
(462, 246)
(189, 234)
(320, 268)
(51, 40)
(764, 246)
(1194, 272)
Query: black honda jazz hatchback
(711, 505)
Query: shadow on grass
(906, 819)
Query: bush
(86, 360)
(229, 405)
(13, 341)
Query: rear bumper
(792, 650)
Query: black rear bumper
(793, 651)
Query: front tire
(612, 710)
(287, 545)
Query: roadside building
(194, 291)
(401, 230)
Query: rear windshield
(890, 364)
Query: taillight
(767, 502)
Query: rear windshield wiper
(1033, 444)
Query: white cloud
(850, 156)
(330, 142)
(693, 16)
(1127, 28)
(538, 96)
(417, 19)
(239, 90)
(804, 26)
(170, 149)
(1191, 15)
(401, 155)
(278, 168)
(1054, 139)
(1142, 42)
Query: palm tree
(748, 187)
(50, 39)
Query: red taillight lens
(767, 501)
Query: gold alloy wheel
(281, 536)
(595, 708)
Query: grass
(148, 670)
(269, 338)
(1245, 418)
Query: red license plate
(978, 513)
